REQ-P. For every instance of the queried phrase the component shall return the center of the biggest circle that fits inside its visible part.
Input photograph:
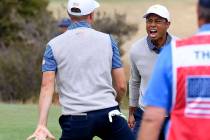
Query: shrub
(25, 27)
(116, 25)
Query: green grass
(17, 121)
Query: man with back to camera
(180, 85)
(90, 79)
(143, 55)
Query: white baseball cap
(159, 10)
(85, 7)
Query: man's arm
(134, 88)
(134, 82)
(119, 83)
(45, 100)
(152, 122)
(46, 94)
(118, 75)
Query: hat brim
(145, 15)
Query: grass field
(17, 121)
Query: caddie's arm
(45, 100)
(152, 122)
(119, 83)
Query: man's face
(156, 26)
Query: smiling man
(143, 55)
(180, 86)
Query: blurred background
(27, 25)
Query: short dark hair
(204, 13)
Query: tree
(24, 29)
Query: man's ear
(168, 24)
(91, 17)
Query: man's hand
(41, 133)
(131, 121)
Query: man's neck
(160, 42)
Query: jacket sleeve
(134, 82)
